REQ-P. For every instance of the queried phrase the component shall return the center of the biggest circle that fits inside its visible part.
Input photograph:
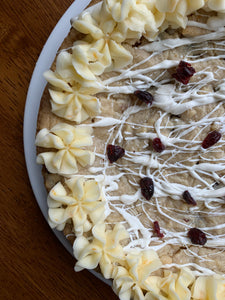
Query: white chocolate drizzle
(175, 99)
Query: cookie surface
(98, 87)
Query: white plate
(36, 88)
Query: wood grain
(34, 265)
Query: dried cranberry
(184, 72)
(157, 229)
(158, 145)
(147, 187)
(114, 152)
(197, 236)
(188, 198)
(212, 138)
(144, 96)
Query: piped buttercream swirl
(82, 204)
(70, 99)
(104, 52)
(104, 250)
(130, 281)
(69, 142)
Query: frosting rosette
(130, 282)
(80, 202)
(68, 98)
(217, 5)
(209, 287)
(184, 286)
(172, 285)
(104, 250)
(134, 18)
(104, 52)
(66, 78)
(176, 11)
(74, 106)
(68, 142)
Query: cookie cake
(130, 134)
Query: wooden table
(34, 265)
